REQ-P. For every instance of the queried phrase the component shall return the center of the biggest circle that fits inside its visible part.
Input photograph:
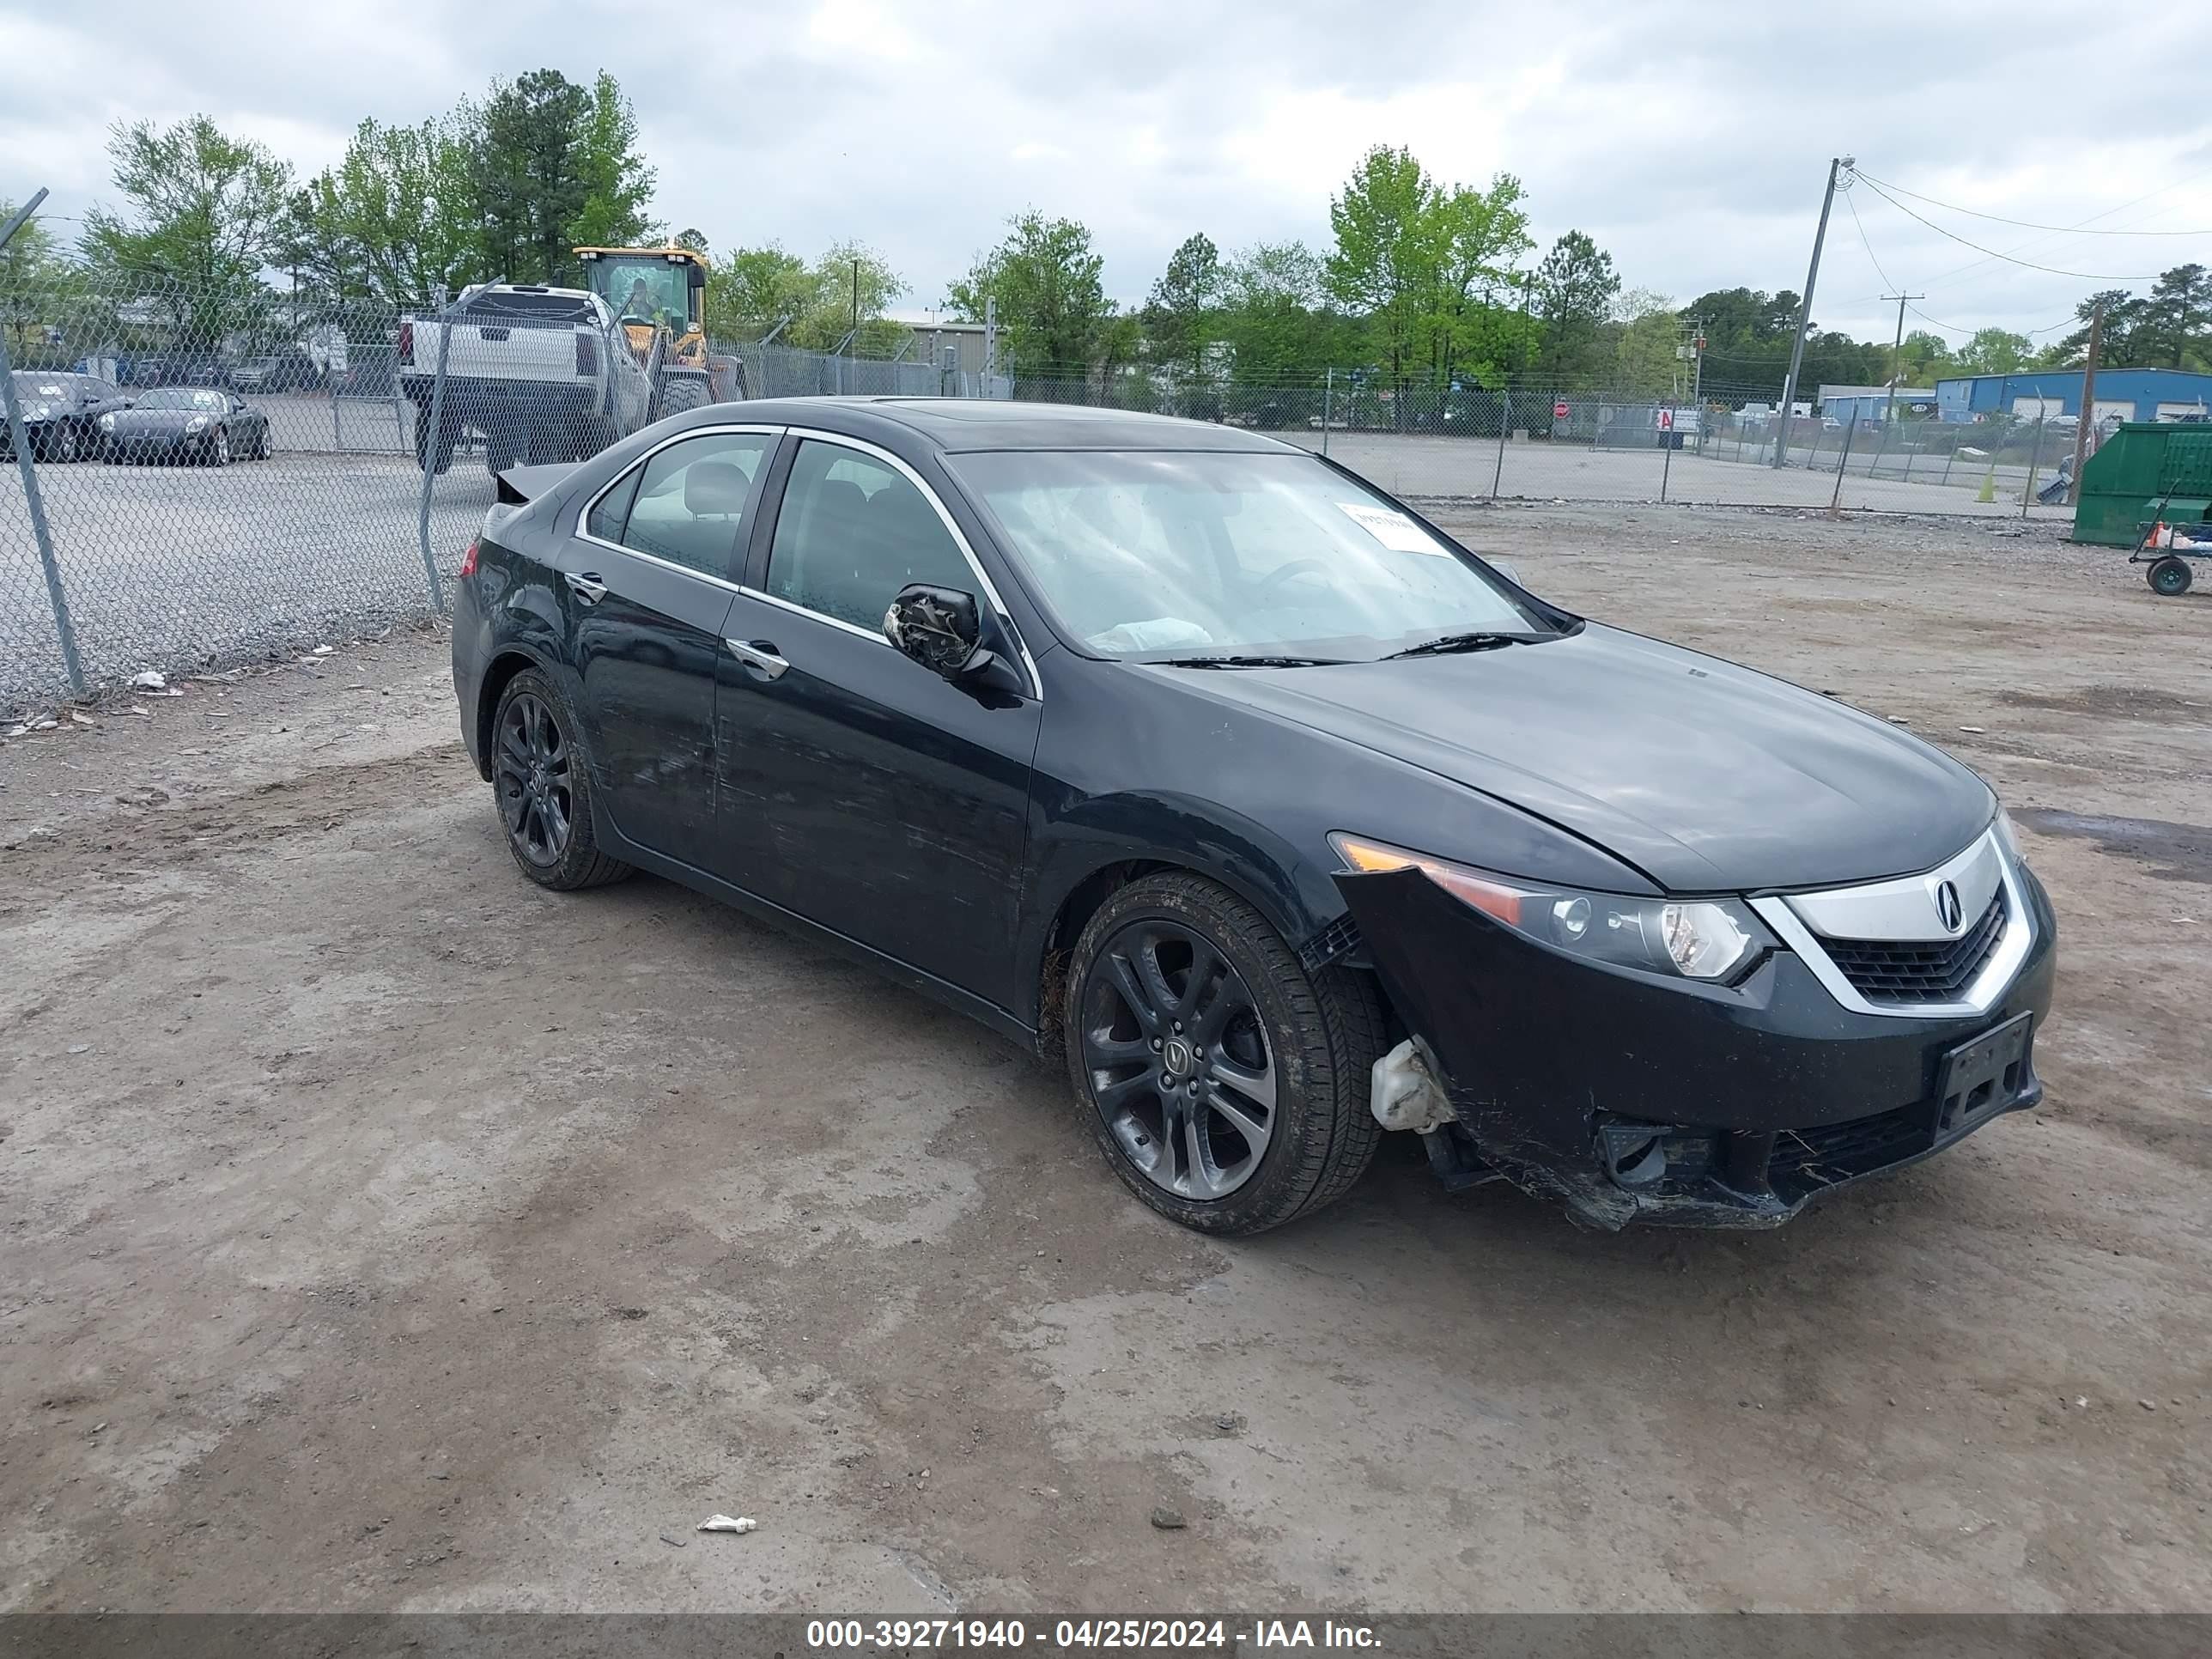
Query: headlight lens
(107, 423)
(1706, 940)
(197, 423)
(2008, 838)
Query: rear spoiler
(518, 486)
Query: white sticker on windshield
(1393, 529)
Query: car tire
(680, 396)
(1317, 1036)
(218, 451)
(435, 456)
(2169, 577)
(65, 442)
(261, 444)
(542, 784)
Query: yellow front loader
(660, 294)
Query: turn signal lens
(469, 562)
(1486, 894)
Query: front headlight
(197, 423)
(1707, 939)
(2008, 838)
(107, 423)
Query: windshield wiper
(1445, 644)
(1246, 662)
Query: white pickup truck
(541, 374)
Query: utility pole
(1897, 357)
(856, 296)
(2088, 412)
(1836, 165)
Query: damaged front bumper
(1630, 1099)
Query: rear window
(537, 308)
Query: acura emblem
(1948, 910)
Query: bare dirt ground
(382, 1232)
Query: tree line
(1423, 284)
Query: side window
(852, 532)
(690, 506)
(611, 511)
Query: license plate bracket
(1979, 1078)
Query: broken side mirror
(944, 630)
(940, 628)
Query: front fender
(1266, 869)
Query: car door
(856, 787)
(648, 577)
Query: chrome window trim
(584, 512)
(952, 527)
(1781, 913)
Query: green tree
(1477, 236)
(394, 219)
(851, 287)
(1993, 351)
(615, 180)
(1388, 255)
(1923, 359)
(32, 273)
(1180, 316)
(205, 215)
(557, 167)
(754, 290)
(2116, 349)
(1275, 317)
(1643, 357)
(2170, 329)
(1053, 310)
(1575, 289)
(693, 239)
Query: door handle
(759, 656)
(587, 585)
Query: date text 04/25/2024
(1084, 1635)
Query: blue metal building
(2125, 394)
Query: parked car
(186, 423)
(61, 413)
(1269, 811)
(291, 370)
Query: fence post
(430, 447)
(2035, 454)
(1836, 500)
(1666, 455)
(1504, 422)
(1909, 450)
(1881, 447)
(1328, 401)
(20, 440)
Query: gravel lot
(383, 1232)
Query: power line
(2024, 224)
(1993, 253)
(1864, 243)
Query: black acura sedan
(61, 413)
(1276, 816)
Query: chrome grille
(1920, 970)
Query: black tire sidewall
(580, 864)
(1308, 1091)
(2170, 577)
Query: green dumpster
(2144, 464)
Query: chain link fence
(196, 476)
(1541, 441)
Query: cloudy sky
(1690, 140)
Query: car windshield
(650, 290)
(46, 388)
(1162, 556)
(182, 397)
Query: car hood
(1706, 776)
(160, 420)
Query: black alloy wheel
(541, 781)
(1227, 1084)
(1179, 1061)
(530, 769)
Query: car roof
(973, 423)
